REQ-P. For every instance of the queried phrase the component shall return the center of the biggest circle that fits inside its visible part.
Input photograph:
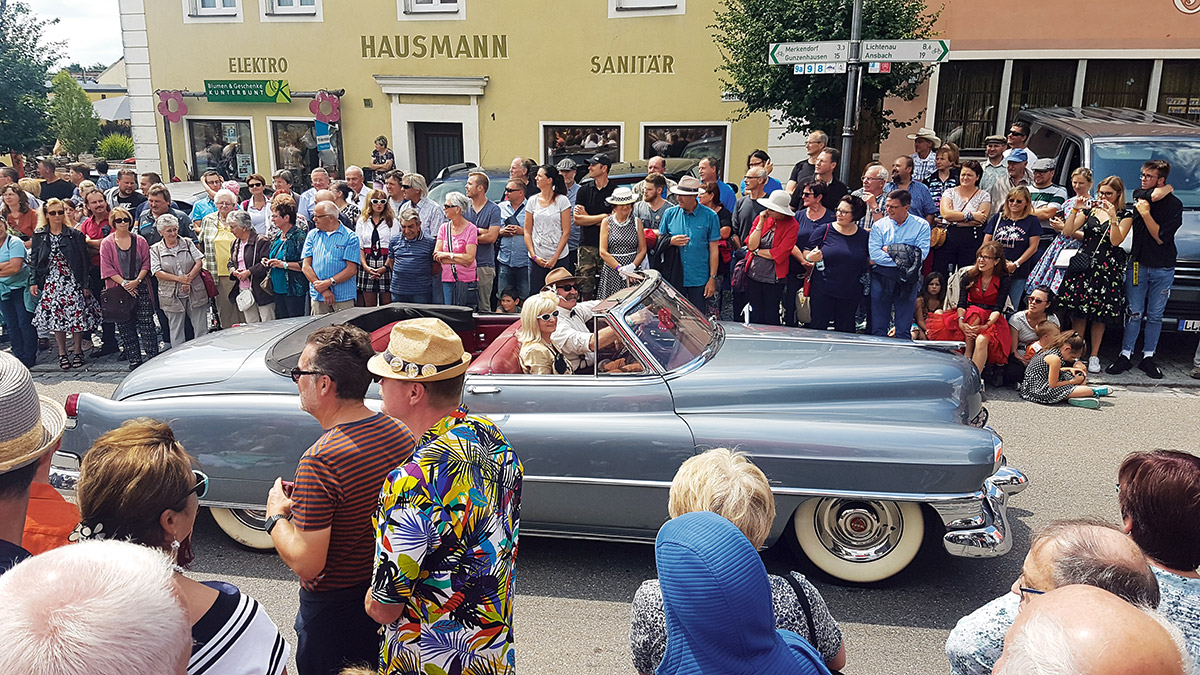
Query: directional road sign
(819, 68)
(808, 52)
(930, 51)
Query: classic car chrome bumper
(978, 528)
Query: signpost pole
(854, 73)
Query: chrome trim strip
(782, 491)
(233, 505)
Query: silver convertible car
(867, 441)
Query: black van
(1116, 142)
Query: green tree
(744, 30)
(74, 119)
(25, 59)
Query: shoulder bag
(116, 304)
(762, 269)
(1081, 261)
(804, 295)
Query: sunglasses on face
(807, 194)
(512, 190)
(566, 287)
(406, 187)
(56, 213)
(1016, 201)
(1015, 132)
(254, 185)
(200, 489)
(450, 206)
(378, 201)
(547, 317)
(297, 373)
(121, 220)
(1035, 300)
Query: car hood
(206, 360)
(834, 374)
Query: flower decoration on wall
(165, 98)
(326, 107)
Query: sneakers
(1196, 373)
(1094, 364)
(1089, 403)
(1102, 390)
(1119, 366)
(1148, 367)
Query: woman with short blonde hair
(538, 355)
(730, 485)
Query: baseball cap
(1018, 155)
(600, 158)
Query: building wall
(544, 63)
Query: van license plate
(1190, 325)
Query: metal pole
(853, 75)
(170, 149)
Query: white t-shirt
(1026, 335)
(547, 224)
(259, 218)
(387, 230)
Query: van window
(1070, 159)
(1125, 159)
(1044, 141)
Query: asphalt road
(573, 596)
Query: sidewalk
(1174, 359)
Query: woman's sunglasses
(547, 317)
(120, 220)
(201, 487)
(379, 201)
(254, 185)
(56, 213)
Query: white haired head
(93, 608)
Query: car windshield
(672, 330)
(458, 183)
(1125, 159)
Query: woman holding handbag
(839, 254)
(770, 244)
(813, 218)
(126, 300)
(455, 250)
(251, 292)
(1093, 288)
(61, 283)
(1046, 272)
(176, 262)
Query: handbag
(1082, 260)
(464, 293)
(762, 269)
(210, 286)
(804, 302)
(244, 299)
(266, 284)
(937, 236)
(117, 305)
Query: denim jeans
(516, 278)
(1015, 292)
(888, 297)
(19, 323)
(1147, 301)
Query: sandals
(77, 361)
(64, 362)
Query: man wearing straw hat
(30, 429)
(447, 523)
(924, 158)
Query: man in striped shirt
(1047, 199)
(322, 528)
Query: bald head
(323, 196)
(1090, 552)
(1084, 630)
(325, 216)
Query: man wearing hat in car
(30, 430)
(447, 523)
(591, 208)
(572, 336)
(696, 229)
(924, 159)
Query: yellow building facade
(443, 80)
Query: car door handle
(483, 390)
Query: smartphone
(288, 486)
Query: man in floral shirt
(447, 523)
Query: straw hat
(421, 350)
(688, 185)
(31, 424)
(621, 195)
(778, 201)
(928, 134)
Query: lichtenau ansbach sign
(434, 46)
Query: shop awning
(112, 109)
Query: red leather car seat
(501, 357)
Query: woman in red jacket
(771, 240)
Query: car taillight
(72, 405)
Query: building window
(579, 142)
(291, 6)
(431, 6)
(1041, 84)
(1117, 83)
(968, 100)
(1179, 93)
(296, 146)
(693, 142)
(225, 146)
(214, 7)
(635, 5)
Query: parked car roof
(1111, 122)
(622, 173)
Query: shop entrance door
(438, 145)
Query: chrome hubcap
(856, 530)
(251, 518)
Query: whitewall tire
(857, 540)
(245, 527)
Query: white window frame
(194, 13)
(190, 158)
(671, 123)
(541, 131)
(269, 12)
(441, 10)
(637, 9)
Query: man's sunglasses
(1015, 132)
(551, 315)
(297, 373)
(511, 190)
(566, 287)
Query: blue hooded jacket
(717, 600)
